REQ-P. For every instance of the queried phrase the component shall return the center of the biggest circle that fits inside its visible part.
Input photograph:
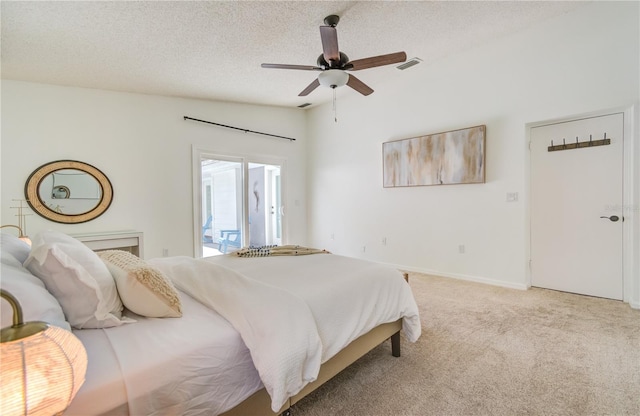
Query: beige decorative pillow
(143, 289)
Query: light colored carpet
(487, 350)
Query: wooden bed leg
(395, 344)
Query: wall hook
(578, 144)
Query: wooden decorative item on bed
(251, 335)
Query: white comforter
(294, 313)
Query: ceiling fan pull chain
(335, 111)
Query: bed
(213, 345)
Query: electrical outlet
(512, 196)
(461, 249)
(165, 252)
(364, 249)
(384, 241)
(333, 236)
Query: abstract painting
(452, 157)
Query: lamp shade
(21, 236)
(333, 78)
(41, 373)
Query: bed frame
(259, 404)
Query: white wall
(144, 146)
(585, 61)
(581, 62)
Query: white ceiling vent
(411, 62)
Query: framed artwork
(451, 157)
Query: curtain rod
(238, 128)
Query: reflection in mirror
(68, 191)
(84, 186)
(60, 192)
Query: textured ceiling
(213, 50)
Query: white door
(576, 207)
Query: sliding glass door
(221, 210)
(265, 207)
(238, 203)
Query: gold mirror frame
(35, 201)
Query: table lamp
(41, 366)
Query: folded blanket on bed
(266, 251)
(287, 357)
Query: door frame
(630, 198)
(245, 158)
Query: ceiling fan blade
(315, 84)
(358, 85)
(392, 58)
(285, 66)
(330, 51)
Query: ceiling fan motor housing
(322, 63)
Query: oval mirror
(68, 191)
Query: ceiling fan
(332, 63)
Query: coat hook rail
(238, 128)
(578, 144)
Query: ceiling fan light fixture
(333, 78)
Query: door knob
(612, 218)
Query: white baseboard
(520, 286)
(478, 279)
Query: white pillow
(16, 247)
(36, 302)
(142, 288)
(78, 279)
